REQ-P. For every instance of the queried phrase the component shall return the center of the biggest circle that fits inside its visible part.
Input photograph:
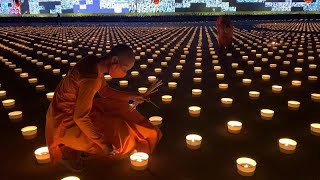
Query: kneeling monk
(102, 126)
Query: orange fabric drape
(77, 120)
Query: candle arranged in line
(8, 104)
(287, 146)
(172, 85)
(246, 82)
(194, 111)
(15, 116)
(50, 96)
(234, 127)
(139, 161)
(142, 90)
(193, 141)
(196, 92)
(293, 105)
(156, 120)
(135, 73)
(223, 86)
(254, 95)
(315, 97)
(151, 79)
(42, 155)
(315, 129)
(29, 132)
(166, 99)
(246, 166)
(227, 102)
(266, 114)
(276, 89)
(71, 178)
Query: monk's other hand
(114, 151)
(137, 98)
(107, 149)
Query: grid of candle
(269, 76)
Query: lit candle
(182, 61)
(8, 104)
(297, 70)
(198, 71)
(172, 85)
(56, 71)
(246, 82)
(175, 75)
(245, 57)
(166, 99)
(266, 114)
(167, 58)
(315, 129)
(142, 90)
(283, 73)
(139, 161)
(42, 155)
(234, 127)
(33, 81)
(29, 132)
(276, 89)
(179, 67)
(24, 75)
(135, 73)
(300, 60)
(197, 80)
(151, 79)
(312, 66)
(71, 178)
(143, 66)
(239, 72)
(50, 96)
(265, 77)
(258, 55)
(296, 83)
(246, 166)
(40, 88)
(220, 76)
(254, 95)
(194, 111)
(315, 97)
(197, 64)
(234, 65)
(223, 86)
(193, 141)
(157, 70)
(250, 62)
(287, 146)
(217, 68)
(272, 66)
(293, 105)
(123, 83)
(312, 78)
(137, 57)
(47, 67)
(107, 77)
(15, 116)
(257, 69)
(164, 64)
(227, 102)
(196, 92)
(72, 64)
(3, 94)
(155, 120)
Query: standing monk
(78, 123)
(225, 32)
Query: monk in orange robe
(225, 32)
(78, 123)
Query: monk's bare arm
(87, 90)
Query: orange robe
(78, 121)
(225, 32)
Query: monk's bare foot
(73, 165)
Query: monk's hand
(114, 151)
(137, 98)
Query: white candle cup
(312, 78)
(151, 79)
(135, 73)
(199, 59)
(50, 96)
(107, 77)
(137, 57)
(182, 61)
(150, 60)
(29, 132)
(142, 90)
(157, 70)
(245, 57)
(234, 127)
(196, 92)
(179, 67)
(193, 141)
(250, 62)
(257, 69)
(72, 64)
(183, 56)
(198, 71)
(143, 66)
(273, 66)
(293, 105)
(246, 82)
(156, 120)
(197, 64)
(217, 68)
(223, 86)
(226, 102)
(24, 75)
(139, 161)
(258, 55)
(33, 81)
(246, 166)
(310, 58)
(266, 114)
(40, 88)
(71, 178)
(234, 65)
(42, 155)
(286, 62)
(172, 85)
(15, 116)
(276, 89)
(283, 73)
(312, 66)
(264, 60)
(12, 66)
(220, 76)
(265, 77)
(194, 111)
(56, 71)
(123, 83)
(287, 146)
(239, 72)
(8, 104)
(197, 80)
(254, 95)
(47, 67)
(176, 75)
(168, 58)
(297, 70)
(315, 97)
(3, 94)
(215, 61)
(166, 99)
(315, 129)
(296, 83)
(300, 60)
(164, 64)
